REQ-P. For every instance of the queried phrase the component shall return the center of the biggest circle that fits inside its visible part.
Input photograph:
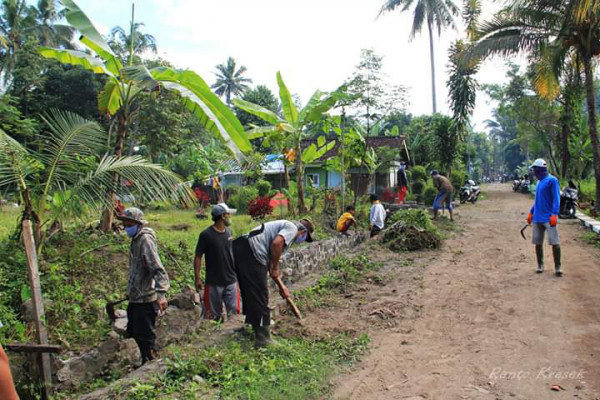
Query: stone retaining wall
(588, 222)
(297, 263)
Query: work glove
(529, 218)
(553, 220)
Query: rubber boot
(262, 336)
(556, 253)
(148, 353)
(539, 253)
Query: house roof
(375, 142)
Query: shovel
(289, 300)
(523, 232)
(110, 309)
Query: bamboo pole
(45, 369)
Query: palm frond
(71, 138)
(16, 164)
(147, 179)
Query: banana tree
(68, 178)
(118, 99)
(293, 125)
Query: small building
(318, 175)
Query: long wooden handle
(289, 299)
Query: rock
(185, 300)
(81, 369)
(198, 379)
(27, 309)
(129, 352)
(120, 326)
(141, 375)
(178, 323)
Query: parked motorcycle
(469, 192)
(568, 201)
(516, 184)
(524, 186)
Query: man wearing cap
(257, 254)
(221, 283)
(148, 283)
(444, 196)
(543, 215)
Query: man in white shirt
(377, 215)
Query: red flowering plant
(260, 207)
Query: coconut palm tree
(230, 81)
(552, 32)
(120, 41)
(69, 177)
(438, 14)
(20, 20)
(17, 20)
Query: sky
(315, 44)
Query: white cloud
(314, 43)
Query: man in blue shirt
(544, 215)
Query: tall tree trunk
(300, 181)
(564, 142)
(593, 128)
(431, 56)
(108, 213)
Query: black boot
(539, 255)
(556, 254)
(148, 353)
(262, 337)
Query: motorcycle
(516, 184)
(524, 186)
(469, 192)
(568, 201)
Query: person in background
(346, 221)
(543, 215)
(376, 216)
(257, 254)
(215, 243)
(444, 196)
(402, 183)
(148, 283)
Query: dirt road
(487, 326)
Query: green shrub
(419, 173)
(263, 187)
(417, 189)
(429, 194)
(459, 177)
(241, 199)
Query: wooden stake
(38, 308)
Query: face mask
(301, 238)
(540, 173)
(227, 222)
(131, 230)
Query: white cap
(539, 163)
(231, 211)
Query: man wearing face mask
(148, 283)
(257, 254)
(221, 283)
(543, 215)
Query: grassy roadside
(295, 369)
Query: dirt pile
(401, 237)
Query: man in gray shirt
(256, 254)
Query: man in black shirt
(221, 282)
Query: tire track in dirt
(489, 327)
